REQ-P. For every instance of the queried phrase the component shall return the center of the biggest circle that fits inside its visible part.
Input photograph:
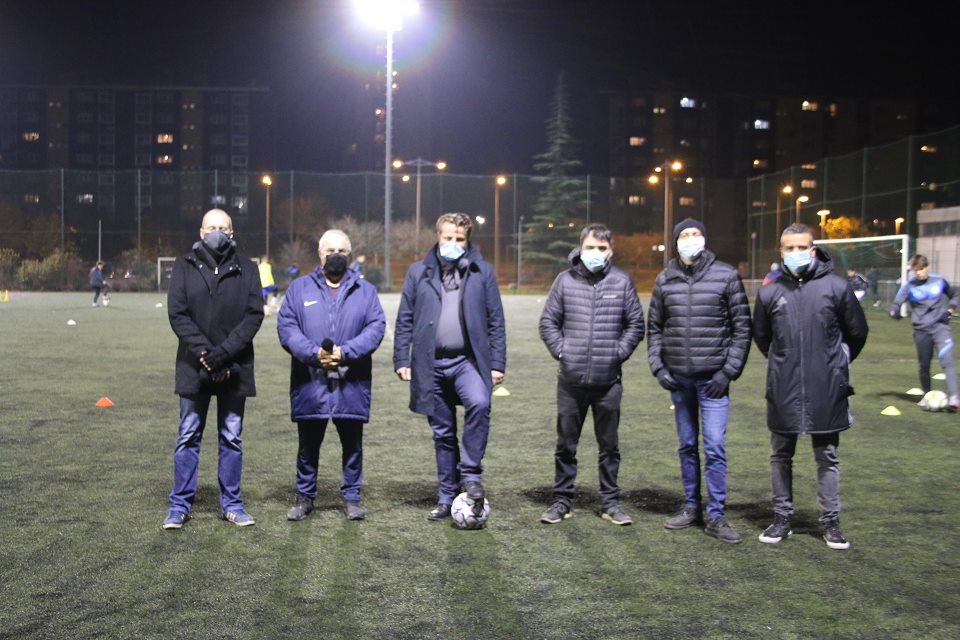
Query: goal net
(888, 255)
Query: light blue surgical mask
(451, 251)
(797, 261)
(690, 248)
(593, 259)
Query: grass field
(83, 492)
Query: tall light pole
(519, 250)
(898, 222)
(501, 180)
(387, 15)
(267, 182)
(665, 169)
(786, 190)
(800, 200)
(823, 213)
(419, 163)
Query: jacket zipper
(803, 381)
(593, 315)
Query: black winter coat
(212, 306)
(810, 329)
(699, 320)
(591, 323)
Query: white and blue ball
(935, 400)
(464, 515)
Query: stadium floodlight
(387, 16)
(500, 182)
(665, 169)
(267, 182)
(800, 200)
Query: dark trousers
(936, 340)
(457, 381)
(825, 455)
(311, 434)
(572, 404)
(96, 293)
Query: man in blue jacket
(215, 309)
(331, 322)
(451, 346)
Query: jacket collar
(432, 260)
(350, 278)
(677, 269)
(578, 268)
(822, 266)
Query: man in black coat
(215, 308)
(810, 326)
(698, 340)
(591, 323)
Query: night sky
(476, 76)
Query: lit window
(218, 200)
(927, 148)
(760, 163)
(685, 143)
(31, 136)
(31, 198)
(808, 184)
(808, 165)
(902, 116)
(637, 141)
(85, 198)
(688, 103)
(164, 138)
(165, 159)
(832, 108)
(687, 201)
(660, 110)
(758, 204)
(807, 105)
(239, 202)
(761, 124)
(634, 200)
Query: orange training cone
(104, 402)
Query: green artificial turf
(83, 492)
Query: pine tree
(559, 210)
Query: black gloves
(945, 318)
(666, 380)
(717, 387)
(217, 358)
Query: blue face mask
(451, 251)
(797, 261)
(593, 259)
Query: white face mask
(690, 248)
(593, 259)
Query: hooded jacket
(699, 320)
(591, 323)
(481, 315)
(215, 307)
(810, 328)
(354, 321)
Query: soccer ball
(463, 515)
(935, 400)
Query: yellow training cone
(501, 391)
(915, 392)
(890, 411)
(939, 376)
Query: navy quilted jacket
(591, 323)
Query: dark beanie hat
(686, 224)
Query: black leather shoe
(440, 512)
(474, 490)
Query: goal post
(889, 255)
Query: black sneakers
(355, 511)
(685, 517)
(439, 512)
(833, 535)
(777, 531)
(617, 516)
(720, 529)
(556, 513)
(302, 507)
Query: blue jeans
(694, 412)
(457, 381)
(311, 434)
(186, 455)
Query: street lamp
(387, 15)
(267, 181)
(519, 250)
(665, 169)
(786, 190)
(823, 213)
(501, 180)
(799, 200)
(898, 222)
(419, 163)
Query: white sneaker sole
(767, 540)
(619, 523)
(565, 516)
(838, 545)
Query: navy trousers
(311, 434)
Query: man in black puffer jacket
(592, 322)
(698, 340)
(810, 326)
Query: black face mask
(217, 241)
(335, 266)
